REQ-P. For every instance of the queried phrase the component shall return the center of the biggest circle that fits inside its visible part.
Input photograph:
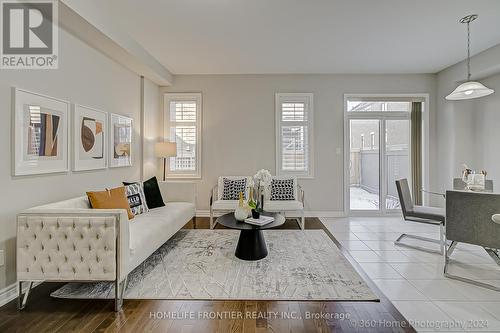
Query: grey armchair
(419, 214)
(471, 217)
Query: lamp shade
(469, 90)
(166, 149)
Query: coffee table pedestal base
(251, 245)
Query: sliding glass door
(364, 164)
(396, 158)
(378, 153)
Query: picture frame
(90, 134)
(120, 143)
(40, 128)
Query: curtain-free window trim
(172, 97)
(307, 99)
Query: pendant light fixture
(469, 89)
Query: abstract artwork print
(40, 133)
(92, 138)
(43, 132)
(121, 142)
(90, 133)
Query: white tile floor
(413, 280)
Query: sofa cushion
(152, 193)
(281, 206)
(114, 198)
(76, 203)
(269, 206)
(150, 230)
(225, 204)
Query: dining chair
(420, 214)
(472, 218)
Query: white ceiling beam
(87, 23)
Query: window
(294, 130)
(183, 126)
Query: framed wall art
(40, 133)
(121, 141)
(90, 132)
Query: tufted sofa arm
(72, 245)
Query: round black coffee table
(251, 244)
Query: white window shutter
(183, 126)
(294, 125)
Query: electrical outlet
(2, 259)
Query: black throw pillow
(152, 193)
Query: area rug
(200, 264)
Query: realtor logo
(29, 34)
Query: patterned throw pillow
(136, 199)
(233, 187)
(282, 189)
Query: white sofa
(292, 208)
(69, 241)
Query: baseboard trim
(307, 213)
(9, 293)
(324, 213)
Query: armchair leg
(212, 223)
(194, 222)
(21, 301)
(303, 221)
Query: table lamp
(165, 149)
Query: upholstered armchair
(294, 207)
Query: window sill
(296, 176)
(171, 178)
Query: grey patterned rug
(200, 264)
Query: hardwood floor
(46, 314)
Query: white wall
(86, 77)
(239, 129)
(153, 129)
(487, 127)
(466, 130)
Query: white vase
(240, 214)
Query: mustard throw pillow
(114, 198)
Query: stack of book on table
(262, 220)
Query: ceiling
(305, 36)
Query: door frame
(424, 98)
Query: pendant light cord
(467, 20)
(468, 51)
